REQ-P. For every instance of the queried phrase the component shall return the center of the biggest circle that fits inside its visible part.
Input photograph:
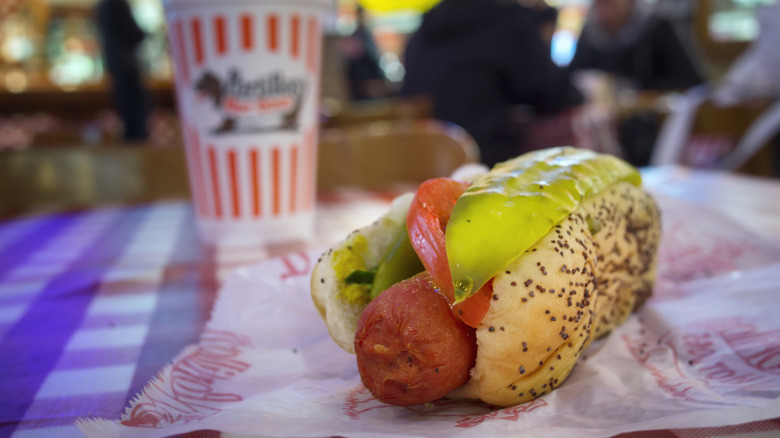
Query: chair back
(384, 155)
(63, 178)
(373, 156)
(342, 114)
(700, 134)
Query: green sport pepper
(508, 210)
(398, 263)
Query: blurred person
(365, 75)
(626, 39)
(639, 50)
(546, 18)
(479, 60)
(121, 37)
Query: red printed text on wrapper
(688, 254)
(295, 265)
(712, 358)
(464, 414)
(185, 392)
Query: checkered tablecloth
(93, 304)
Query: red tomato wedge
(427, 221)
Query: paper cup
(247, 86)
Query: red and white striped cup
(247, 86)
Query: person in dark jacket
(121, 37)
(624, 38)
(477, 60)
(366, 77)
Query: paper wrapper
(704, 351)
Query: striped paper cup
(247, 86)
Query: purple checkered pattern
(92, 305)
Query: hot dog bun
(340, 304)
(573, 286)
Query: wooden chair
(384, 155)
(398, 109)
(63, 178)
(719, 54)
(373, 156)
(738, 138)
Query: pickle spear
(509, 209)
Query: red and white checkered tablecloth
(93, 304)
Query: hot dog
(534, 260)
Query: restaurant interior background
(60, 138)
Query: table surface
(93, 304)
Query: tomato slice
(427, 221)
(475, 307)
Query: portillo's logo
(267, 103)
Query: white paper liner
(703, 352)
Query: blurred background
(57, 108)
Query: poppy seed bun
(571, 287)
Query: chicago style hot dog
(491, 290)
